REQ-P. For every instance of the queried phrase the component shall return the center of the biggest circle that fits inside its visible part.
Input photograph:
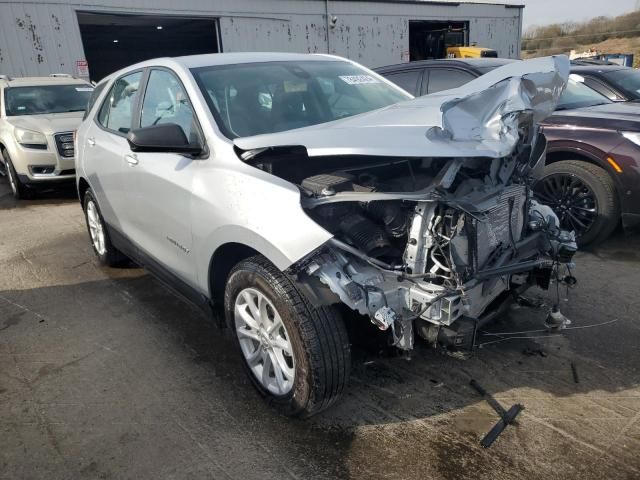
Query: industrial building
(91, 38)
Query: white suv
(283, 186)
(38, 118)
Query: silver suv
(38, 118)
(284, 187)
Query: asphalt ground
(106, 374)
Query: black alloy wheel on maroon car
(584, 198)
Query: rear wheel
(297, 355)
(584, 198)
(103, 248)
(19, 190)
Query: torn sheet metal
(479, 119)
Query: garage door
(112, 42)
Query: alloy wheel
(264, 341)
(96, 230)
(571, 199)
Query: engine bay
(432, 244)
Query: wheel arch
(224, 258)
(573, 154)
(83, 186)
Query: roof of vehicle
(213, 59)
(40, 81)
(472, 63)
(216, 59)
(597, 68)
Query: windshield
(36, 100)
(578, 95)
(627, 80)
(256, 98)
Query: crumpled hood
(479, 119)
(48, 123)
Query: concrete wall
(41, 38)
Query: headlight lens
(632, 137)
(29, 137)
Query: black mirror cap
(163, 138)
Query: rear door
(445, 79)
(163, 182)
(409, 80)
(105, 151)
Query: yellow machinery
(471, 52)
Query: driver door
(163, 182)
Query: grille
(64, 144)
(494, 231)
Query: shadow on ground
(41, 196)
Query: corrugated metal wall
(41, 38)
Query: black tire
(19, 190)
(318, 338)
(110, 257)
(593, 188)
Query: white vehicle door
(163, 182)
(105, 153)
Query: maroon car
(592, 176)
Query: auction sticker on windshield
(358, 79)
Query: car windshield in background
(578, 95)
(257, 98)
(627, 80)
(37, 100)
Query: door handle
(132, 158)
(91, 142)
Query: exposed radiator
(494, 230)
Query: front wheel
(296, 354)
(18, 189)
(584, 198)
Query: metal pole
(326, 12)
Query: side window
(165, 101)
(601, 88)
(445, 79)
(407, 80)
(92, 99)
(118, 108)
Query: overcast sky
(544, 12)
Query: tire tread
(322, 332)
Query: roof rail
(63, 75)
(5, 77)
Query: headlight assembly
(632, 137)
(29, 137)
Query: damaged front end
(431, 242)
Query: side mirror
(163, 138)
